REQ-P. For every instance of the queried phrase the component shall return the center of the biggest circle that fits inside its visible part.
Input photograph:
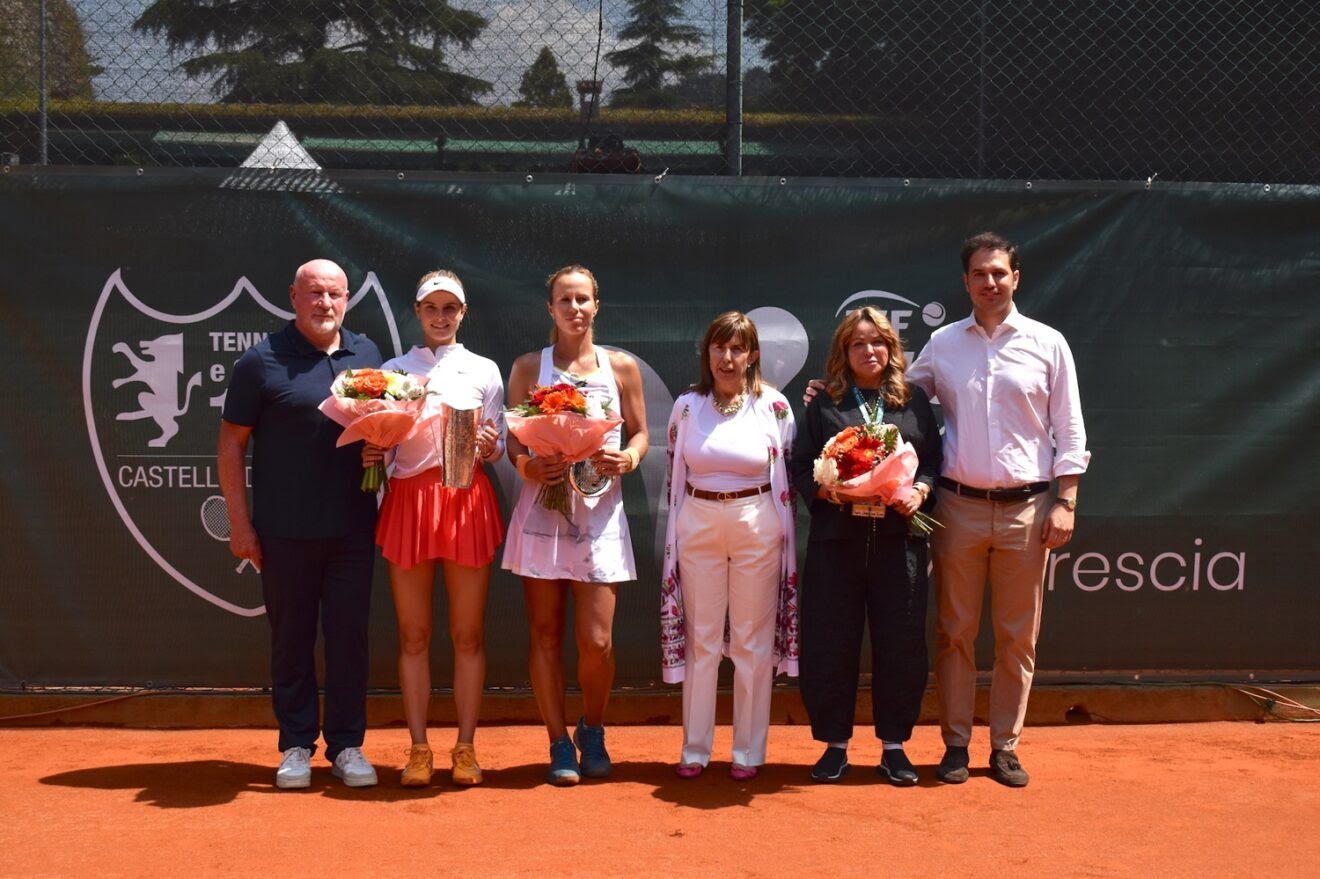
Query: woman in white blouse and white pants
(729, 546)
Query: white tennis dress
(591, 544)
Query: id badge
(869, 511)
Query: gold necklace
(729, 408)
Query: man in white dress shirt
(1013, 424)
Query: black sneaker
(895, 766)
(953, 766)
(831, 766)
(1005, 769)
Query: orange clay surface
(1215, 799)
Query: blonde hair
(438, 273)
(574, 269)
(838, 376)
(730, 325)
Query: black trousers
(306, 582)
(843, 587)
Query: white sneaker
(353, 768)
(295, 769)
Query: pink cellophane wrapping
(891, 480)
(380, 422)
(574, 436)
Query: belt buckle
(724, 496)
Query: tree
(543, 83)
(69, 69)
(827, 56)
(329, 51)
(652, 62)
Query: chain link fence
(1210, 90)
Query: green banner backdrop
(1191, 311)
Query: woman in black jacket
(862, 569)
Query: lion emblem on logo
(159, 368)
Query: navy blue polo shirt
(302, 486)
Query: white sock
(893, 746)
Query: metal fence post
(733, 100)
(43, 148)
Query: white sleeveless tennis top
(591, 544)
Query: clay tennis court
(1205, 799)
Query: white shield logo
(153, 387)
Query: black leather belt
(1017, 493)
(726, 495)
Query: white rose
(825, 471)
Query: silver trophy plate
(587, 481)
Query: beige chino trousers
(999, 543)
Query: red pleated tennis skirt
(421, 520)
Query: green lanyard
(869, 416)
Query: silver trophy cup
(458, 429)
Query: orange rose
(370, 384)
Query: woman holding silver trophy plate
(573, 540)
(440, 506)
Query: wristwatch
(1069, 502)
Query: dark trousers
(306, 581)
(844, 586)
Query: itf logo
(912, 321)
(153, 387)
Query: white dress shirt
(1012, 413)
(459, 378)
(725, 453)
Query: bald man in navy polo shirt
(311, 530)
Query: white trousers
(728, 562)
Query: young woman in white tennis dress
(586, 552)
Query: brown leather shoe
(466, 770)
(420, 767)
(1005, 769)
(953, 766)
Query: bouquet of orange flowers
(383, 408)
(559, 419)
(872, 461)
(551, 400)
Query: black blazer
(822, 420)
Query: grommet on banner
(398, 176)
(1267, 187)
(661, 175)
(783, 180)
(139, 172)
(529, 178)
(907, 182)
(1028, 184)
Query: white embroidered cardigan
(773, 414)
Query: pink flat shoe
(739, 772)
(689, 770)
